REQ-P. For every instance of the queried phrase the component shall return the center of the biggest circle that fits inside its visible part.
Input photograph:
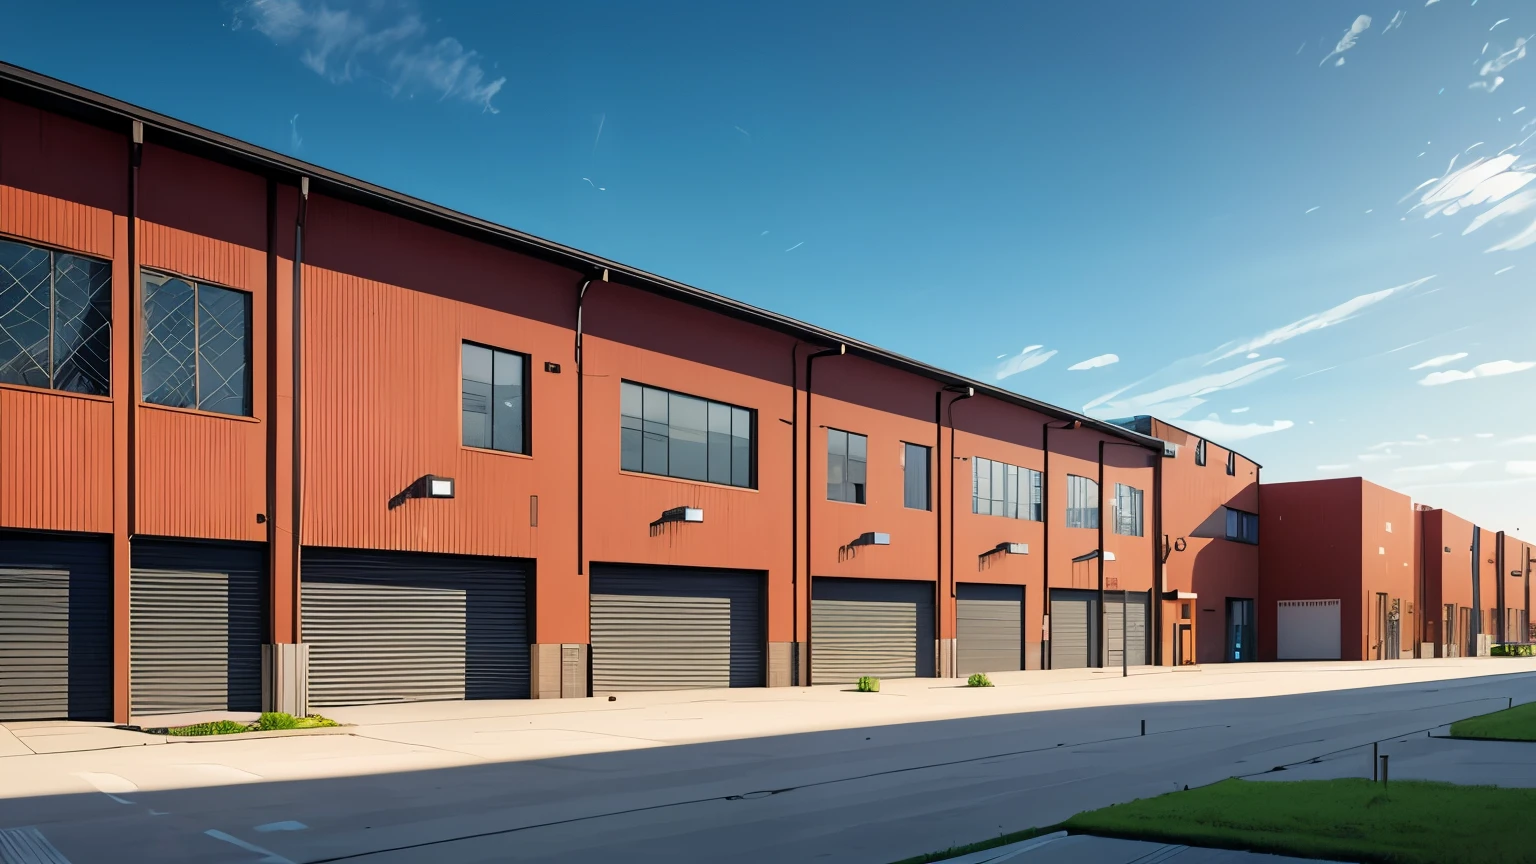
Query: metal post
(1125, 643)
(1143, 728)
(1375, 761)
(1384, 771)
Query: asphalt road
(872, 793)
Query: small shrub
(216, 727)
(869, 684)
(1512, 650)
(978, 680)
(271, 721)
(315, 721)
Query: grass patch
(979, 679)
(868, 684)
(1409, 822)
(270, 721)
(982, 846)
(1512, 724)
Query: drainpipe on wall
(581, 437)
(810, 370)
(135, 322)
(1159, 561)
(964, 393)
(1103, 613)
(298, 402)
(1503, 604)
(1045, 526)
(1477, 589)
(794, 512)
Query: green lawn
(1514, 724)
(1349, 820)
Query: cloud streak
(295, 141)
(1437, 361)
(1326, 318)
(1095, 362)
(1482, 370)
(1347, 41)
(1216, 430)
(384, 41)
(1029, 358)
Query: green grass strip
(1512, 724)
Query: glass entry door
(1240, 636)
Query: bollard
(1143, 728)
(1375, 760)
(1384, 771)
(1511, 701)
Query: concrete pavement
(1060, 848)
(755, 775)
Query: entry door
(989, 628)
(1448, 637)
(1394, 637)
(1074, 626)
(1468, 640)
(1240, 638)
(883, 628)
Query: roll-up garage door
(1309, 629)
(1135, 612)
(408, 627)
(990, 628)
(1073, 625)
(871, 627)
(199, 618)
(673, 628)
(55, 627)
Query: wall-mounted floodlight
(1089, 556)
(1517, 573)
(426, 486)
(1012, 548)
(680, 514)
(871, 538)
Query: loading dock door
(989, 628)
(673, 628)
(873, 627)
(55, 628)
(198, 621)
(1135, 612)
(1307, 630)
(410, 627)
(1074, 623)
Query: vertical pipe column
(125, 399)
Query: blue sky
(1267, 240)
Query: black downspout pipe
(1526, 636)
(1498, 571)
(581, 405)
(1159, 561)
(1477, 589)
(1103, 613)
(1045, 526)
(810, 370)
(794, 511)
(298, 402)
(135, 159)
(940, 462)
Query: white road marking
(282, 826)
(28, 846)
(269, 857)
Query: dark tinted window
(197, 345)
(915, 472)
(1242, 527)
(677, 435)
(1128, 510)
(1082, 502)
(847, 466)
(1000, 489)
(494, 407)
(55, 320)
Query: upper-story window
(1082, 502)
(1200, 452)
(55, 320)
(1128, 510)
(674, 435)
(1242, 527)
(1000, 489)
(197, 345)
(495, 402)
(914, 467)
(847, 466)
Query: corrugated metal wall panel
(989, 633)
(406, 627)
(656, 628)
(56, 222)
(1072, 628)
(1135, 612)
(201, 476)
(55, 461)
(55, 627)
(883, 628)
(201, 257)
(198, 621)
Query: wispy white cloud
(1315, 372)
(1095, 362)
(1347, 41)
(1519, 241)
(1481, 181)
(384, 40)
(1023, 361)
(1483, 435)
(1317, 321)
(1396, 22)
(602, 120)
(1482, 370)
(1216, 430)
(1438, 468)
(1502, 270)
(1496, 24)
(1501, 62)
(1175, 400)
(796, 246)
(295, 141)
(1242, 410)
(1521, 439)
(743, 131)
(1437, 361)
(1508, 207)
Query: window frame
(197, 347)
(1242, 519)
(752, 436)
(906, 476)
(1027, 507)
(527, 412)
(1098, 504)
(54, 251)
(1125, 491)
(859, 491)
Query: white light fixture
(439, 487)
(680, 514)
(1012, 548)
(872, 538)
(1109, 556)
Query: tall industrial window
(1231, 463)
(495, 402)
(674, 435)
(55, 320)
(197, 345)
(1127, 510)
(847, 466)
(1200, 452)
(1242, 527)
(1082, 502)
(914, 467)
(1000, 489)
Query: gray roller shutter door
(55, 627)
(198, 620)
(989, 628)
(1136, 610)
(665, 628)
(1072, 628)
(871, 627)
(410, 627)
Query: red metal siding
(1310, 545)
(56, 451)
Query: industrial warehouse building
(275, 437)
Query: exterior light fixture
(439, 487)
(1089, 556)
(426, 486)
(1012, 548)
(871, 538)
(680, 514)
